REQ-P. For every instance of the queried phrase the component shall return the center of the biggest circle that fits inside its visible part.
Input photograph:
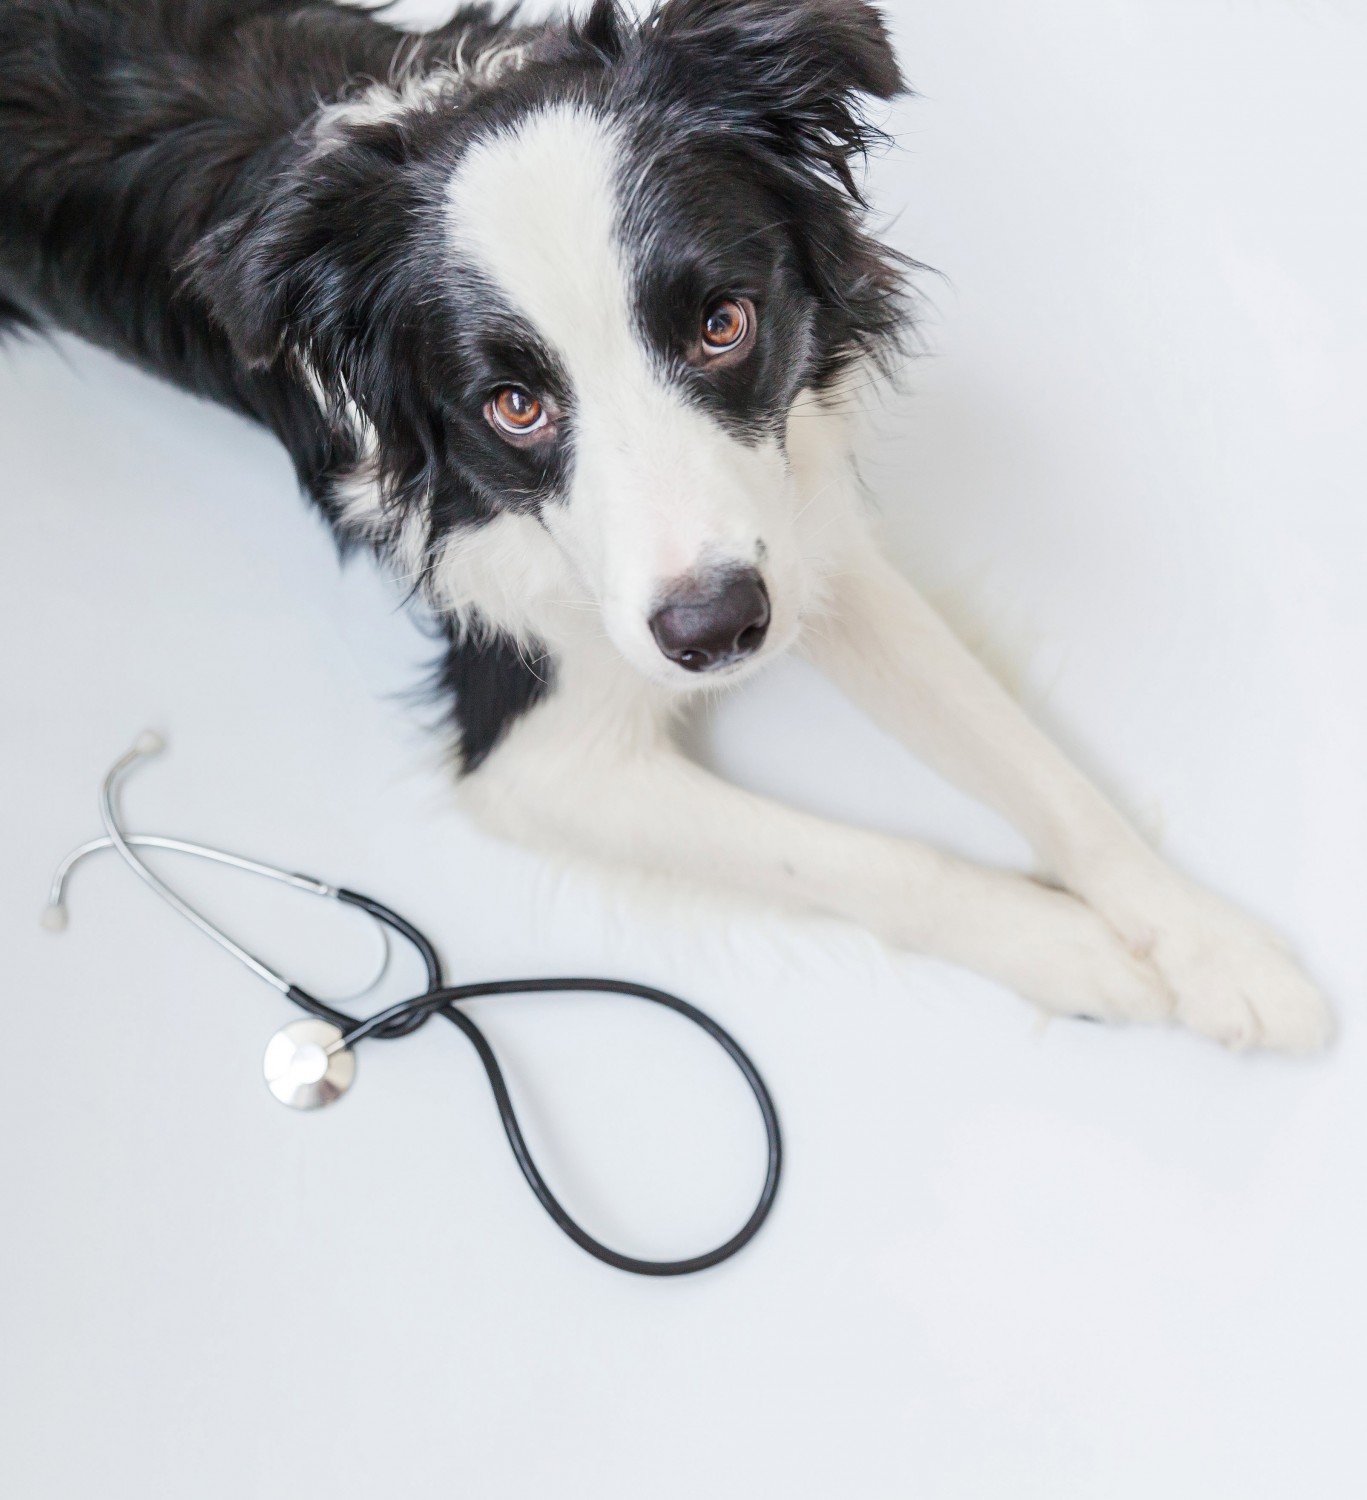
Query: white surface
(1005, 1263)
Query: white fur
(593, 770)
(406, 92)
(1226, 977)
(659, 491)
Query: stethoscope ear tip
(149, 742)
(54, 918)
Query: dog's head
(569, 291)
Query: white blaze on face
(659, 489)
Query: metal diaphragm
(299, 1069)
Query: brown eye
(726, 326)
(515, 411)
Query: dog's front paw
(1055, 950)
(1233, 981)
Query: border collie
(565, 321)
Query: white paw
(1069, 961)
(1233, 981)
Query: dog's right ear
(788, 72)
(301, 270)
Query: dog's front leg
(581, 776)
(889, 650)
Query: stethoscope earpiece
(312, 1061)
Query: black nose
(713, 622)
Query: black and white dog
(565, 321)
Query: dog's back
(128, 128)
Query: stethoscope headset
(312, 1061)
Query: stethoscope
(311, 1062)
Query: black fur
(163, 194)
(493, 681)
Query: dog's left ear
(300, 269)
(790, 71)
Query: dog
(567, 323)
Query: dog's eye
(727, 326)
(515, 412)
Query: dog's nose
(711, 624)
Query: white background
(1007, 1261)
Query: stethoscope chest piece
(301, 1071)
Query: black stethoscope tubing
(442, 999)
